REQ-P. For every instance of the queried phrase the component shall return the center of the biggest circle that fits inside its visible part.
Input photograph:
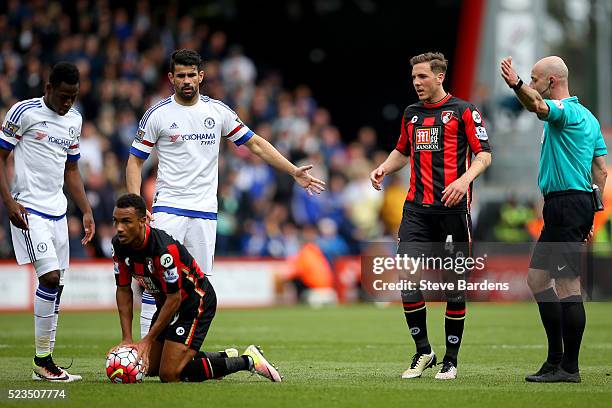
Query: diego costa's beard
(187, 96)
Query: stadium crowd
(123, 60)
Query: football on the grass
(123, 366)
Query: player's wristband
(518, 85)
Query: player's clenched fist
(377, 176)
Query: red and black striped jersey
(161, 266)
(440, 139)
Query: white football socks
(55, 318)
(44, 316)
(148, 309)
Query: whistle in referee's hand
(597, 200)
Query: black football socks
(202, 369)
(573, 323)
(454, 320)
(415, 313)
(551, 315)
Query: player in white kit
(186, 129)
(43, 134)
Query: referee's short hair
(134, 201)
(436, 60)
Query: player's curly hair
(185, 57)
(436, 60)
(65, 72)
(134, 201)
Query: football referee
(571, 160)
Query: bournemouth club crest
(446, 116)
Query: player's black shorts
(568, 218)
(435, 234)
(190, 324)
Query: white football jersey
(187, 139)
(42, 141)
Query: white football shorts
(44, 239)
(199, 236)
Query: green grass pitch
(349, 356)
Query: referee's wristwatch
(518, 85)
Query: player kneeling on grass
(186, 302)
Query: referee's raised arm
(529, 97)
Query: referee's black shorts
(190, 324)
(568, 218)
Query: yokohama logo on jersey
(193, 136)
(65, 143)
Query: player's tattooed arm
(455, 191)
(482, 158)
(478, 166)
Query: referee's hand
(508, 73)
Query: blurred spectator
(6, 249)
(393, 204)
(309, 271)
(101, 196)
(215, 49)
(331, 143)
(366, 136)
(75, 233)
(514, 219)
(92, 149)
(331, 244)
(239, 73)
(227, 218)
(363, 202)
(255, 179)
